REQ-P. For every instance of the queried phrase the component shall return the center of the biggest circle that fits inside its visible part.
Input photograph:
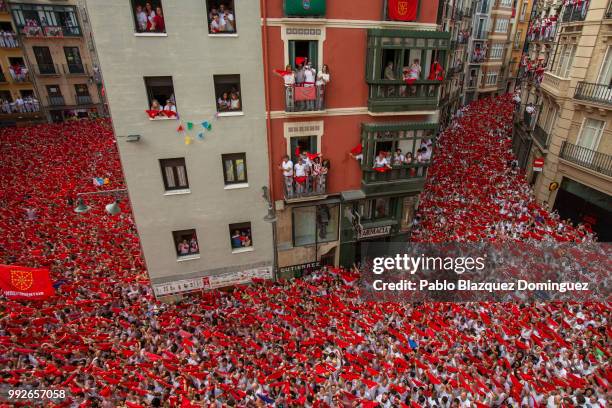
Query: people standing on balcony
(286, 168)
(300, 171)
(325, 165)
(309, 81)
(289, 80)
(398, 158)
(389, 74)
(381, 163)
(323, 78)
(412, 74)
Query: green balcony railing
(590, 159)
(396, 96)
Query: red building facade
(383, 94)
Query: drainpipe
(266, 67)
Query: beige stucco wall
(191, 57)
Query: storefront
(583, 204)
(379, 219)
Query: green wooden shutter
(313, 52)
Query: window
(82, 94)
(160, 93)
(44, 60)
(221, 16)
(55, 95)
(592, 129)
(186, 243)
(501, 25)
(566, 60)
(497, 51)
(148, 16)
(506, 3)
(523, 10)
(315, 224)
(302, 52)
(517, 39)
(6, 105)
(376, 209)
(605, 75)
(227, 90)
(491, 78)
(301, 144)
(46, 20)
(174, 174)
(234, 168)
(73, 58)
(241, 238)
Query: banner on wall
(402, 10)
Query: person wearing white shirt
(287, 168)
(309, 82)
(141, 17)
(381, 161)
(323, 78)
(300, 171)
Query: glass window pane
(240, 170)
(170, 177)
(229, 170)
(304, 222)
(328, 218)
(182, 176)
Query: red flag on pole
(18, 282)
(402, 10)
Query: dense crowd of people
(307, 342)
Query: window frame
(135, 18)
(241, 226)
(148, 86)
(174, 163)
(599, 133)
(218, 93)
(176, 235)
(209, 20)
(334, 215)
(233, 157)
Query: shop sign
(366, 233)
(300, 267)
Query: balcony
(304, 8)
(304, 99)
(57, 100)
(387, 91)
(311, 190)
(555, 85)
(48, 69)
(595, 93)
(3, 6)
(587, 158)
(36, 31)
(76, 69)
(396, 96)
(20, 76)
(83, 99)
(408, 176)
(541, 137)
(575, 13)
(9, 40)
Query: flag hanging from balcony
(402, 10)
(305, 93)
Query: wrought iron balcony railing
(590, 159)
(576, 12)
(590, 92)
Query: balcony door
(589, 139)
(605, 75)
(44, 60)
(73, 58)
(301, 144)
(55, 95)
(301, 49)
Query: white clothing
(287, 168)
